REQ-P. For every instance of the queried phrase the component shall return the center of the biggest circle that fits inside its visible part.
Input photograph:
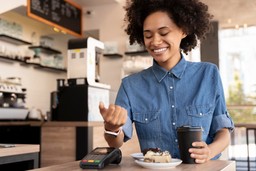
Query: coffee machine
(77, 97)
(12, 99)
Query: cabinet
(7, 55)
(70, 140)
(136, 61)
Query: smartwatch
(115, 134)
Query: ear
(184, 35)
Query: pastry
(157, 157)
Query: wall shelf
(113, 55)
(46, 50)
(13, 40)
(36, 65)
(11, 59)
(137, 53)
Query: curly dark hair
(190, 15)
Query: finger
(116, 115)
(108, 115)
(102, 108)
(200, 161)
(198, 151)
(200, 144)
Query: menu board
(62, 14)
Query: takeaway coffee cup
(186, 136)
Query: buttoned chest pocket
(200, 116)
(147, 124)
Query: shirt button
(146, 119)
(172, 106)
(171, 87)
(200, 114)
(176, 140)
(173, 123)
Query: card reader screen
(102, 151)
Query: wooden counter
(21, 153)
(129, 164)
(52, 123)
(71, 140)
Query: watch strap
(113, 133)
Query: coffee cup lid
(189, 128)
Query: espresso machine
(77, 97)
(12, 99)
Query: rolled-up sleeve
(222, 121)
(221, 118)
(127, 129)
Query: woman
(173, 92)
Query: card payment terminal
(100, 157)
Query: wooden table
(128, 163)
(20, 153)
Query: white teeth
(159, 50)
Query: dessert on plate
(155, 155)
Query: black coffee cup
(186, 136)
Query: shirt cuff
(127, 129)
(222, 121)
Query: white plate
(137, 156)
(173, 163)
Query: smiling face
(162, 39)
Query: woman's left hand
(201, 152)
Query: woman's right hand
(114, 116)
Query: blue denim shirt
(159, 101)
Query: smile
(159, 50)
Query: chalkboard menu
(62, 14)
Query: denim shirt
(159, 101)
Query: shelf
(45, 49)
(50, 68)
(39, 66)
(11, 59)
(113, 55)
(13, 40)
(137, 53)
(36, 65)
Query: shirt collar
(177, 70)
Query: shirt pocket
(147, 124)
(200, 115)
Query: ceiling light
(56, 29)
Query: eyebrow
(157, 29)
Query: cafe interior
(55, 71)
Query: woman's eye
(147, 35)
(164, 33)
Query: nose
(156, 40)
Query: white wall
(109, 20)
